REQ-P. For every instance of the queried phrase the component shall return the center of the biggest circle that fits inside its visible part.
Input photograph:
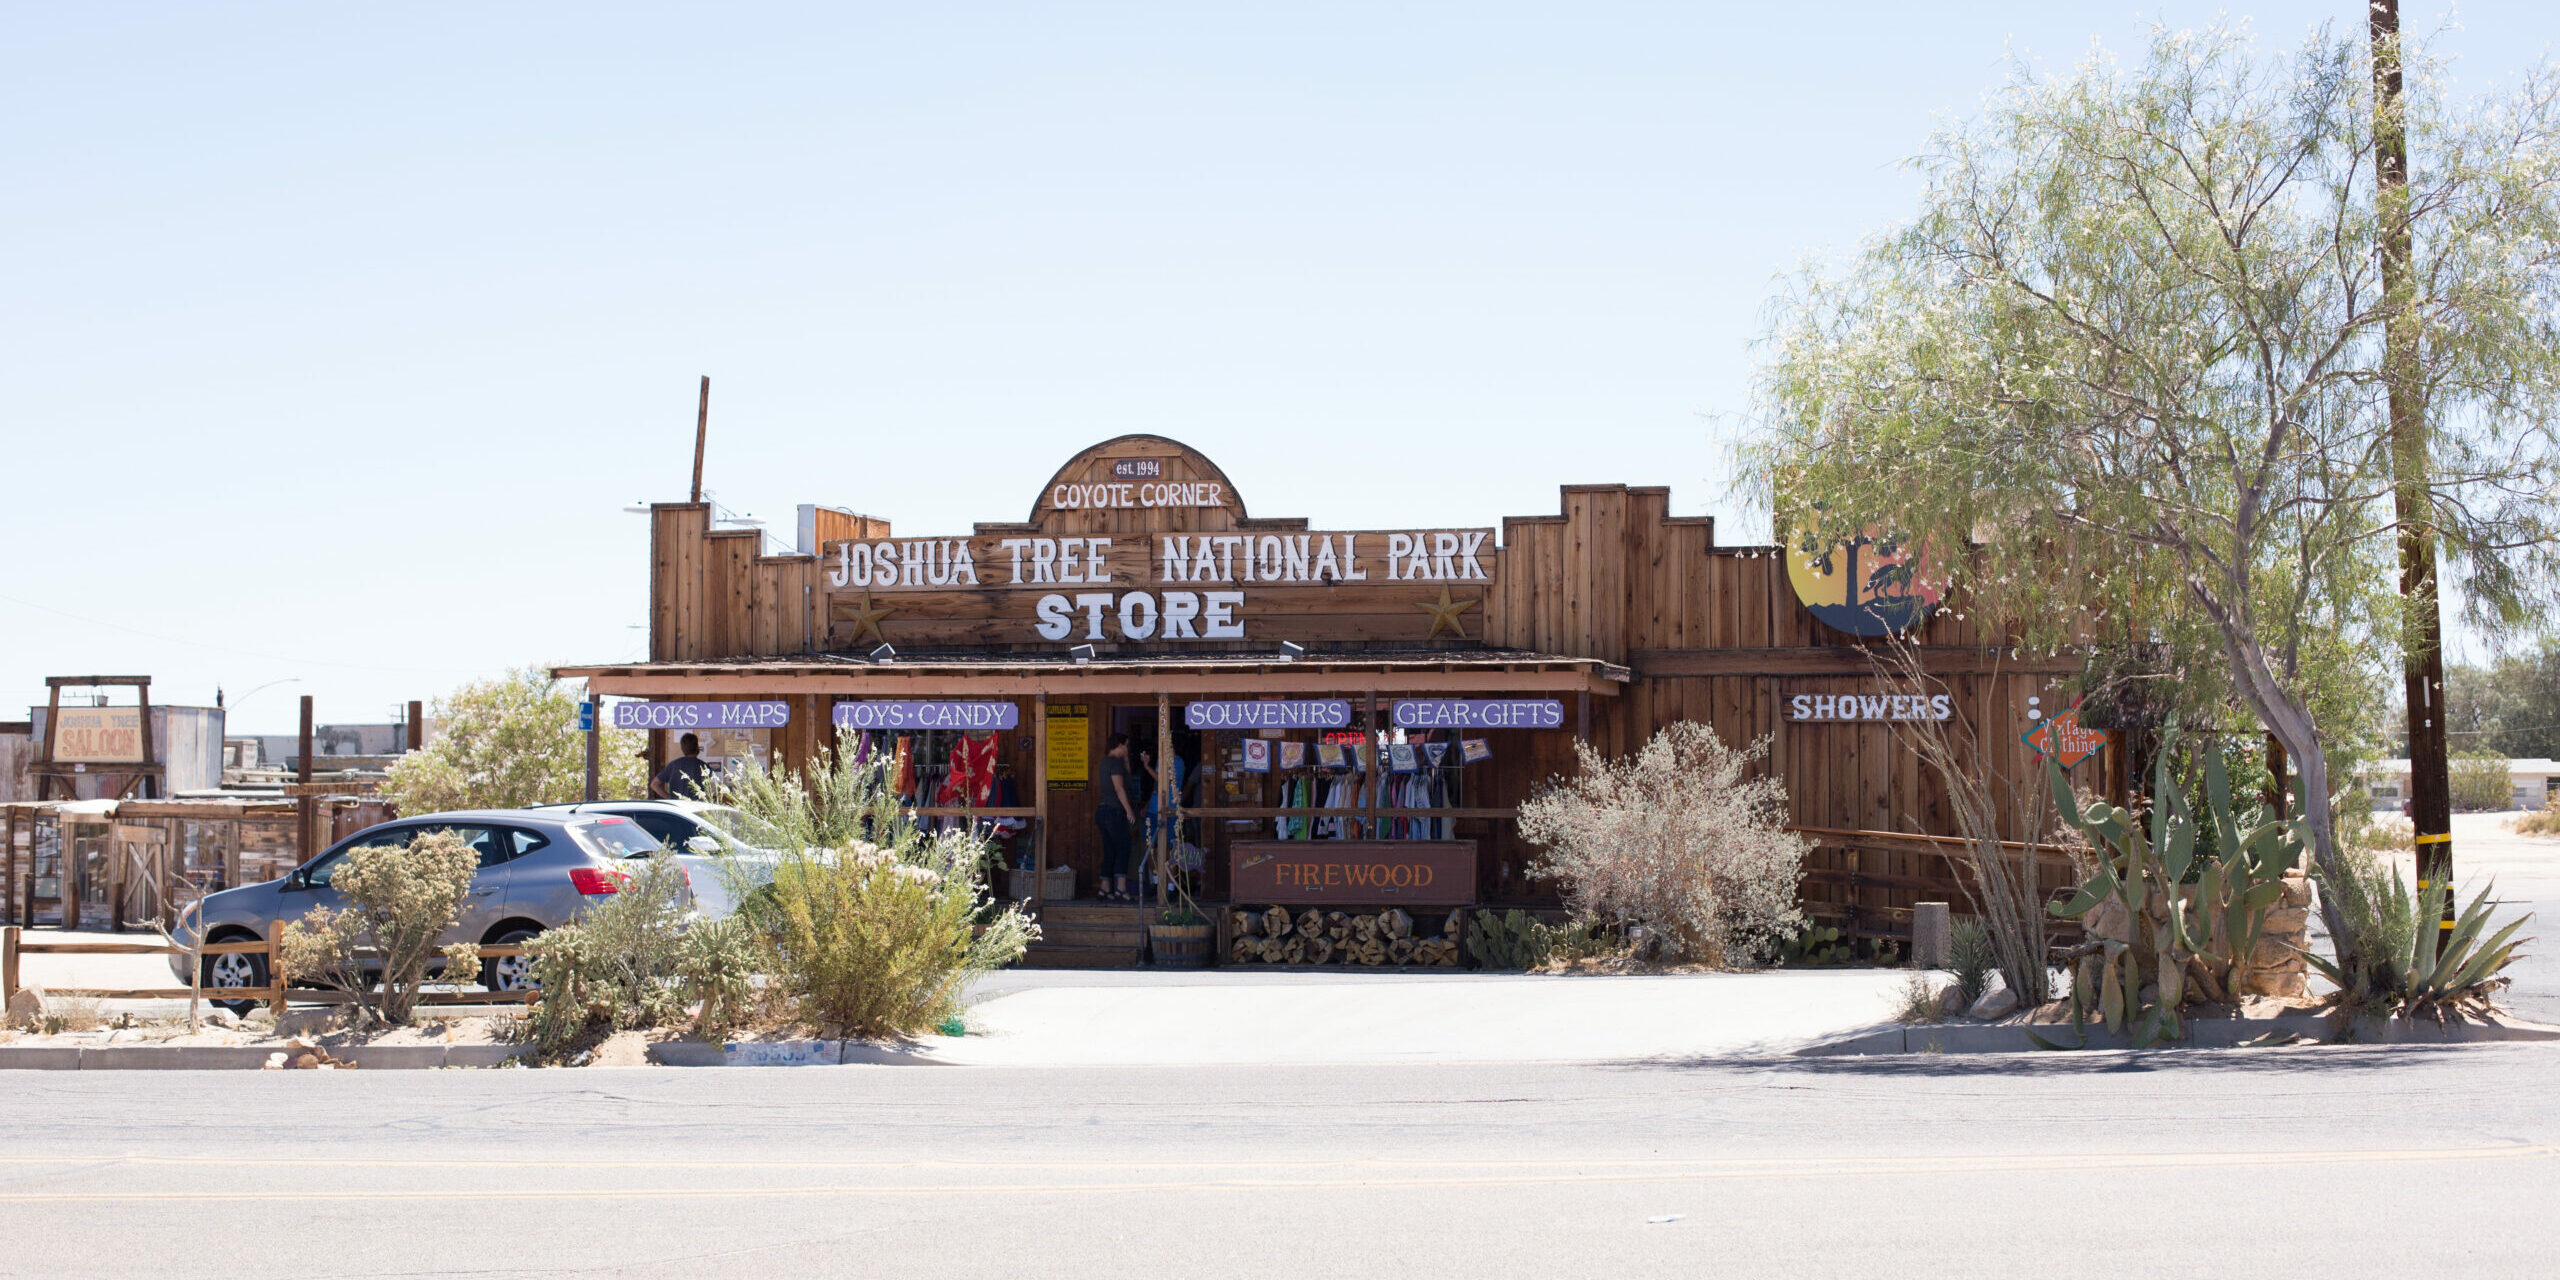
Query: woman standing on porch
(1117, 816)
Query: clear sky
(334, 338)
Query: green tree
(510, 742)
(2482, 782)
(2510, 706)
(2130, 349)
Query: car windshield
(742, 827)
(619, 838)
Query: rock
(2297, 891)
(223, 1018)
(306, 1062)
(27, 1006)
(300, 1022)
(2108, 922)
(2271, 953)
(275, 1062)
(1644, 943)
(1998, 1002)
(2287, 920)
(1932, 935)
(1951, 1001)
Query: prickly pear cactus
(2175, 909)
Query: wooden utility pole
(417, 725)
(701, 433)
(306, 807)
(2422, 628)
(595, 744)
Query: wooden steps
(1087, 935)
(1050, 955)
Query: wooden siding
(1712, 633)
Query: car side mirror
(705, 845)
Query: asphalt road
(2330, 1161)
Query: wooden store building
(1354, 713)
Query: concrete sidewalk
(1302, 1018)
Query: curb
(245, 1057)
(786, 1053)
(2202, 1033)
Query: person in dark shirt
(1116, 813)
(682, 779)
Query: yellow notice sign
(1070, 746)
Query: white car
(713, 841)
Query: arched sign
(1870, 584)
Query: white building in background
(2531, 782)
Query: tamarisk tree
(2129, 356)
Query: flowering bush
(1678, 839)
(869, 923)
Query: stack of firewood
(1316, 936)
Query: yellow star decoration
(1444, 615)
(866, 618)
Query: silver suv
(701, 834)
(538, 869)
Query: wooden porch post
(1377, 736)
(1039, 802)
(1157, 801)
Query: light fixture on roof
(1291, 651)
(885, 653)
(1082, 653)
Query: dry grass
(2541, 822)
(1917, 1001)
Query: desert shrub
(400, 901)
(1518, 940)
(615, 966)
(866, 921)
(715, 970)
(1973, 959)
(1678, 839)
(2544, 821)
(2481, 780)
(1919, 1000)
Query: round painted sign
(1869, 585)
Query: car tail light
(595, 882)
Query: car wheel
(510, 973)
(235, 971)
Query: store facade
(1356, 713)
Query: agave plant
(2183, 902)
(2428, 981)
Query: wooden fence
(276, 994)
(1864, 882)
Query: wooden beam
(1832, 660)
(1068, 683)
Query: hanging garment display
(905, 774)
(971, 779)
